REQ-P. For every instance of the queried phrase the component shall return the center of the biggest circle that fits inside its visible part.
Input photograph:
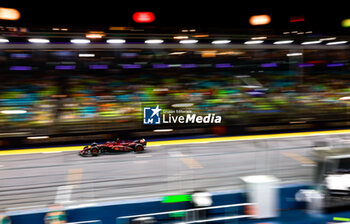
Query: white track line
(63, 194)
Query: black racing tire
(139, 148)
(83, 153)
(94, 151)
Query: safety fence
(226, 206)
(194, 215)
(87, 222)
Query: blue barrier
(107, 212)
(87, 222)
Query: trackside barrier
(86, 222)
(217, 219)
(108, 212)
(190, 215)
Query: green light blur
(341, 219)
(176, 198)
(177, 214)
(345, 23)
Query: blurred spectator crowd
(112, 97)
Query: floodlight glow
(311, 42)
(189, 41)
(328, 38)
(283, 42)
(163, 130)
(86, 55)
(3, 40)
(294, 54)
(38, 137)
(337, 42)
(154, 41)
(259, 38)
(344, 98)
(80, 41)
(38, 40)
(116, 41)
(13, 111)
(254, 42)
(180, 37)
(221, 42)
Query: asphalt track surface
(35, 179)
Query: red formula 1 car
(116, 146)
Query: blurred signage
(294, 19)
(259, 20)
(143, 17)
(120, 28)
(9, 14)
(95, 34)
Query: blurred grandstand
(67, 90)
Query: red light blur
(317, 62)
(294, 19)
(143, 17)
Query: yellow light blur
(259, 20)
(200, 35)
(38, 137)
(177, 53)
(230, 53)
(120, 28)
(259, 38)
(180, 37)
(59, 29)
(345, 23)
(208, 54)
(9, 14)
(95, 35)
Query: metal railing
(86, 222)
(190, 214)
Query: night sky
(215, 15)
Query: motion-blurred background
(285, 70)
(76, 72)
